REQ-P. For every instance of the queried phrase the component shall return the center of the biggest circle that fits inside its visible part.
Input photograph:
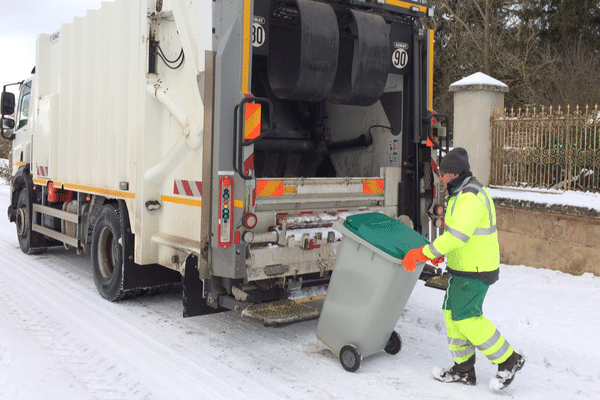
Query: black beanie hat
(455, 162)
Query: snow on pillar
(477, 98)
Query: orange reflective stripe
(40, 181)
(181, 200)
(269, 188)
(246, 46)
(406, 4)
(373, 186)
(430, 72)
(252, 121)
(92, 189)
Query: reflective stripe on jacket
(470, 238)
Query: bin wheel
(394, 344)
(350, 357)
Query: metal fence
(547, 149)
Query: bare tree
(569, 76)
(469, 35)
(540, 48)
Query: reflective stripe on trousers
(476, 332)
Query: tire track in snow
(98, 374)
(122, 353)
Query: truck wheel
(23, 222)
(394, 344)
(107, 253)
(350, 358)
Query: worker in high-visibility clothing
(470, 244)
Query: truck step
(281, 312)
(438, 282)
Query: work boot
(456, 374)
(506, 371)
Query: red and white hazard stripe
(187, 188)
(42, 171)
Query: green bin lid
(385, 233)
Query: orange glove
(412, 258)
(436, 261)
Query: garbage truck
(215, 143)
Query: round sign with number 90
(400, 58)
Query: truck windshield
(23, 110)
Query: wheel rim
(349, 359)
(108, 253)
(22, 217)
(394, 344)
(391, 346)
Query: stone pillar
(477, 98)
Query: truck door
(21, 154)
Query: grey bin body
(366, 296)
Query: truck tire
(23, 222)
(107, 254)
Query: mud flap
(146, 276)
(137, 276)
(194, 303)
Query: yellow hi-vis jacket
(470, 238)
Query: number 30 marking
(400, 58)
(258, 35)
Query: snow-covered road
(60, 340)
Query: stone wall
(561, 238)
(556, 237)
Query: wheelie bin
(368, 288)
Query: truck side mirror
(8, 103)
(8, 123)
(6, 127)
